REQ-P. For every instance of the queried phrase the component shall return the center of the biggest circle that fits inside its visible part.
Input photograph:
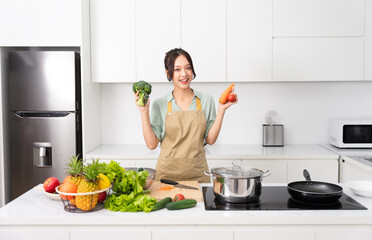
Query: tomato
(50, 184)
(67, 188)
(231, 97)
(102, 196)
(178, 197)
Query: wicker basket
(68, 200)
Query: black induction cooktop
(277, 198)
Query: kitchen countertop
(356, 154)
(133, 152)
(36, 208)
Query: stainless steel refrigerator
(44, 117)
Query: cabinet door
(368, 42)
(318, 59)
(286, 234)
(112, 40)
(157, 31)
(318, 18)
(34, 234)
(192, 234)
(40, 23)
(350, 171)
(203, 35)
(320, 170)
(357, 232)
(277, 168)
(249, 40)
(108, 233)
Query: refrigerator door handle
(42, 154)
(28, 114)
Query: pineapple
(89, 184)
(75, 170)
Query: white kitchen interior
(309, 61)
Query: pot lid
(238, 172)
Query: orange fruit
(67, 179)
(67, 187)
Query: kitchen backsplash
(303, 107)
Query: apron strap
(169, 106)
(198, 105)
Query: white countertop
(133, 152)
(356, 154)
(35, 208)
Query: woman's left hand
(229, 104)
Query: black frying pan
(314, 192)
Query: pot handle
(266, 173)
(208, 173)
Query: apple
(102, 196)
(50, 184)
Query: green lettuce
(129, 202)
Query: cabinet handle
(343, 160)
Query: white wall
(304, 108)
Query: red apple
(50, 184)
(102, 196)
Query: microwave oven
(351, 133)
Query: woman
(181, 121)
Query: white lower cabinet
(37, 234)
(282, 170)
(192, 234)
(270, 234)
(348, 233)
(320, 170)
(107, 233)
(350, 170)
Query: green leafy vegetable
(128, 185)
(129, 202)
(144, 89)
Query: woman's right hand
(141, 108)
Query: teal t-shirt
(160, 107)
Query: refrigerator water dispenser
(42, 153)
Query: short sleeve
(156, 119)
(210, 113)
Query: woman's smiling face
(182, 74)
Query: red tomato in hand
(178, 197)
(50, 184)
(231, 97)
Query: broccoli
(144, 89)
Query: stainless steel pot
(237, 184)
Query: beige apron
(182, 155)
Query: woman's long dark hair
(170, 58)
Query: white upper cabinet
(249, 40)
(113, 40)
(368, 42)
(203, 35)
(40, 23)
(318, 17)
(157, 31)
(318, 59)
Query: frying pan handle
(266, 173)
(307, 175)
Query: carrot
(166, 188)
(228, 90)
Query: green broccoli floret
(144, 89)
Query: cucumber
(181, 204)
(161, 204)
